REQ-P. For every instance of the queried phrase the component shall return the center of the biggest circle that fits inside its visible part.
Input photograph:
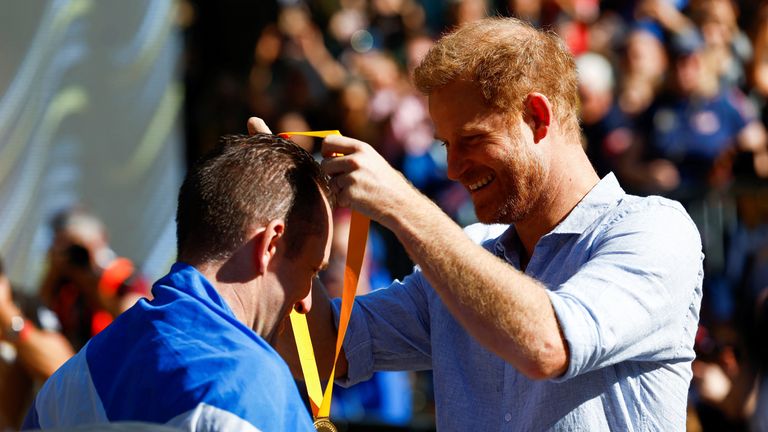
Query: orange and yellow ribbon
(358, 236)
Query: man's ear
(266, 244)
(538, 115)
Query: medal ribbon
(358, 235)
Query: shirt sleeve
(638, 297)
(388, 330)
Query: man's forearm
(40, 351)
(505, 310)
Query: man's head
(79, 240)
(263, 198)
(246, 182)
(596, 87)
(498, 89)
(507, 59)
(685, 51)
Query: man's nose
(455, 164)
(304, 305)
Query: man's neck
(570, 180)
(229, 291)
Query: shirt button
(507, 417)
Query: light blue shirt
(624, 277)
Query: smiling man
(577, 310)
(253, 232)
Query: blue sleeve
(31, 421)
(638, 297)
(389, 330)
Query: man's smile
(480, 183)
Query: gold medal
(324, 425)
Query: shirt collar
(186, 278)
(605, 193)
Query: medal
(324, 425)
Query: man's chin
(497, 215)
(487, 215)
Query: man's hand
(360, 178)
(363, 180)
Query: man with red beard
(576, 310)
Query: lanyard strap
(358, 235)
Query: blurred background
(103, 105)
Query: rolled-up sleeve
(388, 330)
(638, 296)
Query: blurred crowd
(674, 101)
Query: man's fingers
(337, 144)
(338, 185)
(257, 125)
(334, 166)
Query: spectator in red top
(87, 284)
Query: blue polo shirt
(182, 360)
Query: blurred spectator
(606, 129)
(31, 349)
(86, 283)
(643, 69)
(465, 11)
(759, 421)
(353, 110)
(659, 16)
(722, 382)
(693, 130)
(292, 70)
(759, 65)
(295, 121)
(528, 10)
(392, 21)
(727, 48)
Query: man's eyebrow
(468, 132)
(475, 129)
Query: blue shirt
(183, 360)
(694, 133)
(624, 277)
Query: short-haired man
(253, 232)
(578, 312)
